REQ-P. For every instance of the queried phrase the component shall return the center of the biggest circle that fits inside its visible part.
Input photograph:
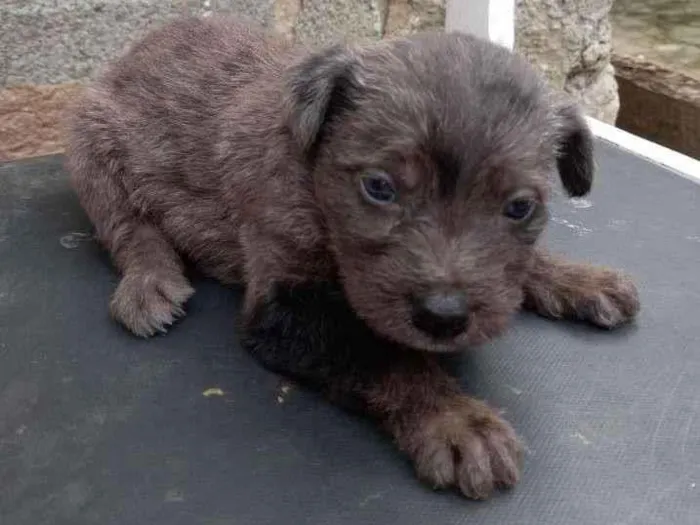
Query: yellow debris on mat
(213, 392)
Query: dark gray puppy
(380, 203)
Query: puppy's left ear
(575, 151)
(318, 88)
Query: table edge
(673, 161)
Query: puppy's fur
(214, 142)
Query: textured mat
(97, 427)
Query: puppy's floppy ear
(575, 160)
(318, 88)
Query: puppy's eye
(519, 209)
(377, 187)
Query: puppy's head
(431, 158)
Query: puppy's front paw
(610, 299)
(603, 297)
(467, 446)
(557, 288)
(149, 302)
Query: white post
(490, 19)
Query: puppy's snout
(441, 314)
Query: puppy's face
(432, 158)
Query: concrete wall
(50, 47)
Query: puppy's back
(198, 54)
(159, 105)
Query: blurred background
(632, 63)
(665, 31)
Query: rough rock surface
(322, 22)
(571, 42)
(408, 16)
(49, 41)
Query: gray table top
(97, 427)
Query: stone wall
(51, 47)
(570, 40)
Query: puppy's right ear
(319, 88)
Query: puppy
(381, 204)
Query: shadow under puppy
(381, 204)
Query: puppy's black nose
(441, 315)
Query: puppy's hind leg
(561, 289)
(153, 288)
